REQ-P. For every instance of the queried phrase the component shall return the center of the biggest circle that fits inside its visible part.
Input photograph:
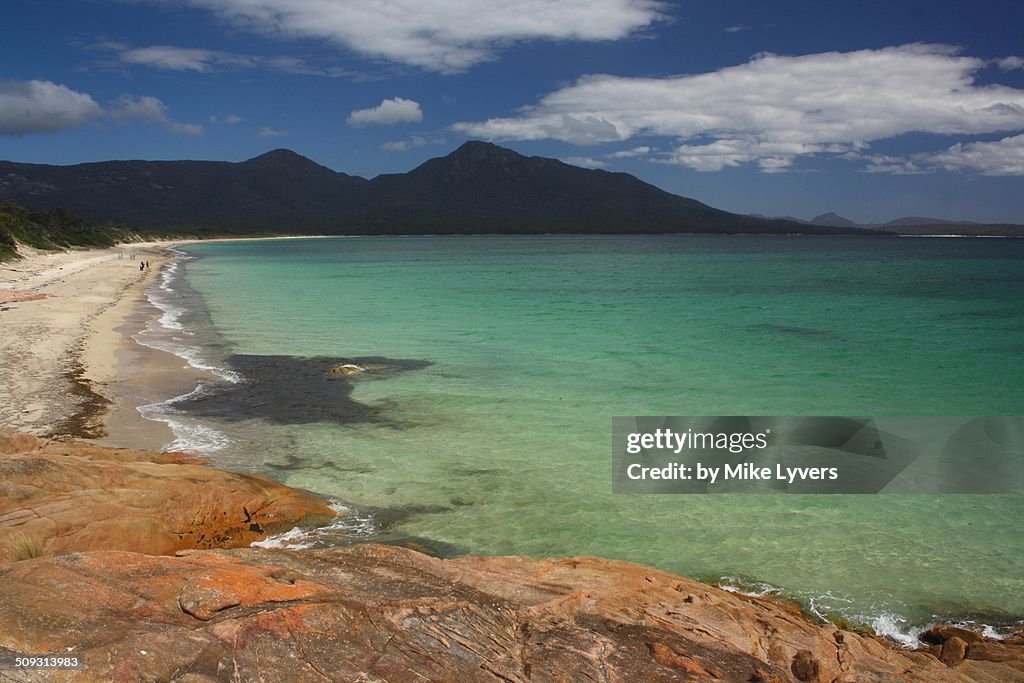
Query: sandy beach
(70, 366)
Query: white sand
(87, 295)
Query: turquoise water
(500, 442)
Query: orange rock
(953, 651)
(58, 497)
(373, 612)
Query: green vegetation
(53, 229)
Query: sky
(871, 109)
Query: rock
(381, 613)
(805, 667)
(345, 370)
(13, 442)
(993, 652)
(953, 651)
(371, 612)
(940, 633)
(58, 497)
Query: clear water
(501, 444)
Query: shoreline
(70, 321)
(59, 336)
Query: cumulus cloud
(43, 107)
(442, 35)
(1003, 157)
(266, 132)
(387, 113)
(774, 109)
(1000, 157)
(46, 107)
(127, 108)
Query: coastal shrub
(23, 546)
(8, 246)
(54, 229)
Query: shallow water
(498, 363)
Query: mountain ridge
(478, 188)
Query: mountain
(912, 225)
(834, 220)
(271, 192)
(482, 187)
(478, 188)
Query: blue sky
(871, 109)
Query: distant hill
(918, 220)
(273, 191)
(478, 188)
(915, 225)
(834, 220)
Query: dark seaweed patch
(295, 390)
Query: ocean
(482, 424)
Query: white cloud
(1010, 63)
(193, 129)
(1001, 157)
(127, 108)
(414, 141)
(887, 163)
(630, 153)
(266, 132)
(201, 60)
(173, 58)
(585, 162)
(387, 113)
(738, 28)
(774, 109)
(441, 35)
(43, 107)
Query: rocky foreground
(58, 497)
(371, 612)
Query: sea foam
(168, 333)
(349, 524)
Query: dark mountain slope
(481, 187)
(276, 191)
(478, 188)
